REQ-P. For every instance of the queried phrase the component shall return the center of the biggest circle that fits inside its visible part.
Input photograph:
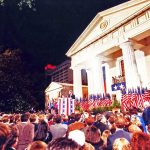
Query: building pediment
(53, 86)
(106, 21)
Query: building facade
(114, 48)
(62, 73)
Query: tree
(16, 86)
(20, 3)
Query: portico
(121, 33)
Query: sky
(45, 35)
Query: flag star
(121, 86)
(115, 87)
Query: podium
(66, 106)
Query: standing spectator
(121, 144)
(140, 141)
(63, 143)
(4, 133)
(58, 129)
(26, 132)
(120, 133)
(42, 130)
(37, 145)
(93, 136)
(12, 140)
(146, 113)
(100, 123)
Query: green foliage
(16, 86)
(20, 3)
(78, 107)
(115, 104)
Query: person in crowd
(58, 129)
(75, 134)
(34, 119)
(146, 113)
(11, 120)
(12, 140)
(134, 128)
(37, 145)
(4, 133)
(88, 122)
(77, 125)
(148, 129)
(111, 123)
(100, 122)
(42, 130)
(105, 136)
(140, 141)
(26, 132)
(120, 133)
(5, 119)
(121, 144)
(64, 144)
(93, 136)
(17, 119)
(71, 118)
(50, 119)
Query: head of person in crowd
(57, 119)
(50, 117)
(24, 117)
(12, 139)
(105, 135)
(12, 119)
(148, 128)
(77, 117)
(120, 121)
(146, 104)
(17, 118)
(4, 133)
(121, 144)
(140, 141)
(75, 134)
(37, 145)
(33, 118)
(134, 128)
(89, 121)
(93, 134)
(5, 119)
(42, 118)
(101, 118)
(63, 143)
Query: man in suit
(120, 133)
(26, 132)
(146, 113)
(58, 129)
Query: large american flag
(134, 98)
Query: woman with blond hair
(121, 144)
(105, 135)
(37, 145)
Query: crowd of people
(113, 130)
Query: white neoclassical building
(115, 44)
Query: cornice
(98, 17)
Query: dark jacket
(146, 115)
(117, 134)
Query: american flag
(134, 98)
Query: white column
(77, 82)
(141, 65)
(90, 82)
(131, 72)
(108, 78)
(96, 68)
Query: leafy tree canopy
(20, 3)
(16, 86)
